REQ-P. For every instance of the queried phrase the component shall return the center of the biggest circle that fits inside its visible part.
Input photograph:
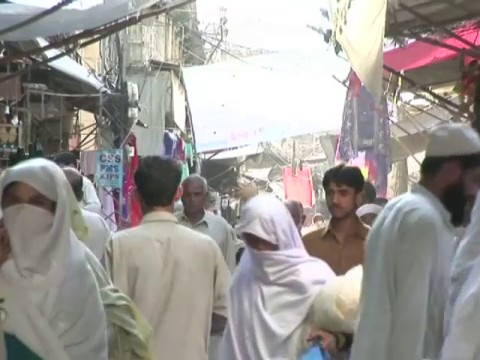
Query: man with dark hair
(340, 244)
(369, 193)
(176, 276)
(98, 231)
(90, 200)
(296, 210)
(409, 253)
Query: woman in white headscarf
(272, 299)
(52, 301)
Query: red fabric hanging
(299, 187)
(135, 209)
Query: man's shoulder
(316, 234)
(177, 232)
(364, 229)
(190, 234)
(216, 220)
(411, 207)
(179, 215)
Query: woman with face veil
(51, 300)
(274, 290)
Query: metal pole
(61, 125)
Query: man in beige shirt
(176, 276)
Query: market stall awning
(419, 54)
(73, 69)
(407, 16)
(265, 98)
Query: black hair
(342, 174)
(431, 165)
(77, 187)
(381, 201)
(295, 208)
(65, 159)
(369, 192)
(157, 180)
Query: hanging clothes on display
(133, 203)
(366, 133)
(170, 140)
(177, 148)
(108, 207)
(299, 185)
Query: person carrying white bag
(279, 293)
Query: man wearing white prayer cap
(368, 213)
(409, 253)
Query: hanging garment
(88, 162)
(108, 208)
(299, 187)
(170, 140)
(366, 128)
(189, 154)
(132, 210)
(180, 150)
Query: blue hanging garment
(315, 352)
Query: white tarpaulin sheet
(359, 27)
(64, 21)
(265, 98)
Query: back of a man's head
(157, 180)
(296, 210)
(76, 181)
(65, 159)
(369, 193)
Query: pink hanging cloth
(299, 187)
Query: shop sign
(109, 168)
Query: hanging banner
(109, 169)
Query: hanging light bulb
(15, 120)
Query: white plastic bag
(337, 304)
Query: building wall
(91, 60)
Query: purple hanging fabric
(169, 143)
(366, 127)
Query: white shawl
(272, 291)
(58, 314)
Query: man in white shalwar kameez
(409, 253)
(468, 251)
(176, 276)
(463, 317)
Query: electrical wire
(36, 17)
(103, 34)
(110, 28)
